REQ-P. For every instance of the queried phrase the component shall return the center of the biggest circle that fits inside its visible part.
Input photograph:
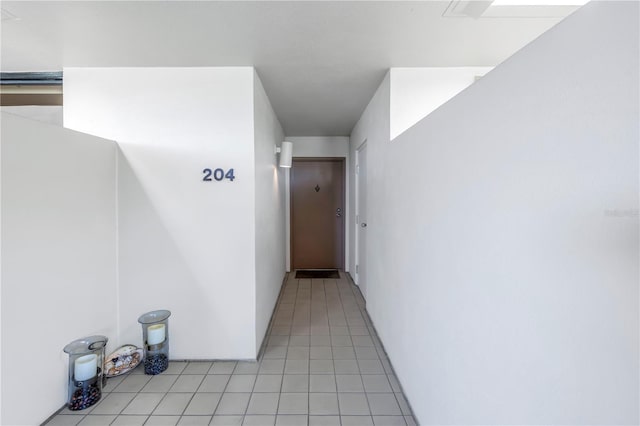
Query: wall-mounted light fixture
(286, 153)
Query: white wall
(51, 114)
(417, 92)
(512, 239)
(269, 211)
(184, 244)
(58, 259)
(373, 127)
(319, 146)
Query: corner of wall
(373, 126)
(269, 215)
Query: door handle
(364, 225)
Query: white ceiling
(320, 61)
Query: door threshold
(317, 273)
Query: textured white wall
(45, 114)
(58, 259)
(269, 211)
(184, 244)
(505, 245)
(417, 92)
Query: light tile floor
(323, 364)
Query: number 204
(217, 174)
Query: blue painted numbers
(218, 175)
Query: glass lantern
(155, 335)
(86, 358)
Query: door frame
(358, 249)
(342, 161)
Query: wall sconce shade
(286, 153)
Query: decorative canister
(155, 335)
(86, 357)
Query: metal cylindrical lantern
(86, 358)
(155, 335)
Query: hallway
(322, 365)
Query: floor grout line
(328, 312)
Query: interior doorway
(361, 218)
(317, 213)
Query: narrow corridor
(322, 365)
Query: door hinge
(357, 219)
(357, 268)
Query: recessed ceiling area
(320, 61)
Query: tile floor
(323, 365)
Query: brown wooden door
(317, 213)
